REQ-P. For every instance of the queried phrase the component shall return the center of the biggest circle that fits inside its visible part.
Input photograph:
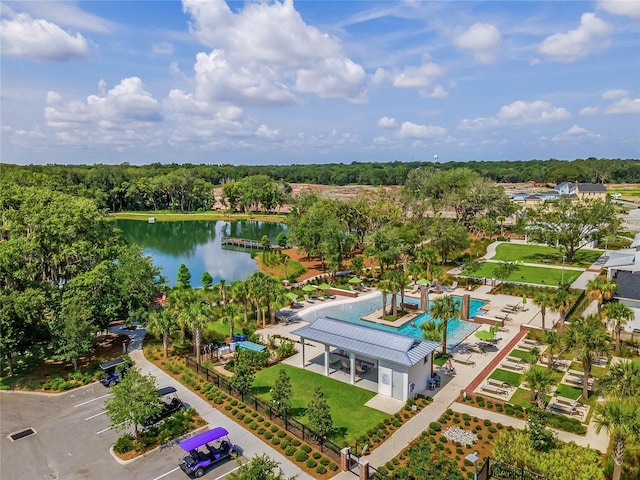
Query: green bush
(305, 448)
(290, 450)
(301, 456)
(334, 466)
(311, 463)
(124, 443)
(321, 469)
(275, 441)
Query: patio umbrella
(423, 281)
(355, 280)
(524, 299)
(308, 288)
(324, 286)
(494, 329)
(291, 296)
(484, 335)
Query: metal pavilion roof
(372, 342)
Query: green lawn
(351, 419)
(512, 378)
(526, 274)
(512, 252)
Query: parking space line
(108, 428)
(230, 471)
(92, 400)
(96, 415)
(165, 474)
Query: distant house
(583, 190)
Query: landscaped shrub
(295, 442)
(290, 450)
(268, 435)
(321, 469)
(301, 456)
(334, 466)
(124, 443)
(275, 441)
(316, 455)
(311, 463)
(305, 448)
(325, 461)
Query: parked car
(170, 405)
(206, 449)
(113, 371)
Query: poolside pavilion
(403, 364)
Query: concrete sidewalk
(250, 443)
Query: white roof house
(403, 363)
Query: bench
(502, 317)
(525, 347)
(512, 366)
(567, 401)
(566, 409)
(494, 389)
(578, 381)
(513, 359)
(464, 361)
(497, 383)
(533, 343)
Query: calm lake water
(196, 243)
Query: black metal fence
(291, 425)
(495, 469)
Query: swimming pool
(353, 311)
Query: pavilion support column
(352, 368)
(326, 360)
(423, 299)
(464, 315)
(302, 341)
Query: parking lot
(73, 437)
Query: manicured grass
(512, 378)
(568, 391)
(177, 217)
(521, 397)
(526, 356)
(512, 252)
(351, 419)
(526, 274)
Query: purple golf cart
(204, 450)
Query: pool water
(457, 330)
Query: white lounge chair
(306, 297)
(495, 390)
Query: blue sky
(318, 81)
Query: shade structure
(355, 280)
(484, 335)
(324, 286)
(423, 281)
(291, 296)
(494, 329)
(309, 288)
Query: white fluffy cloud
(417, 77)
(629, 8)
(387, 122)
(625, 106)
(265, 132)
(575, 134)
(126, 106)
(615, 94)
(591, 36)
(588, 111)
(271, 41)
(413, 130)
(518, 113)
(37, 39)
(482, 40)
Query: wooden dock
(242, 243)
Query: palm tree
(178, 301)
(601, 289)
(588, 339)
(561, 303)
(445, 308)
(555, 345)
(622, 380)
(618, 314)
(619, 418)
(385, 288)
(397, 282)
(161, 323)
(239, 292)
(432, 330)
(223, 292)
(543, 301)
(540, 381)
(197, 315)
